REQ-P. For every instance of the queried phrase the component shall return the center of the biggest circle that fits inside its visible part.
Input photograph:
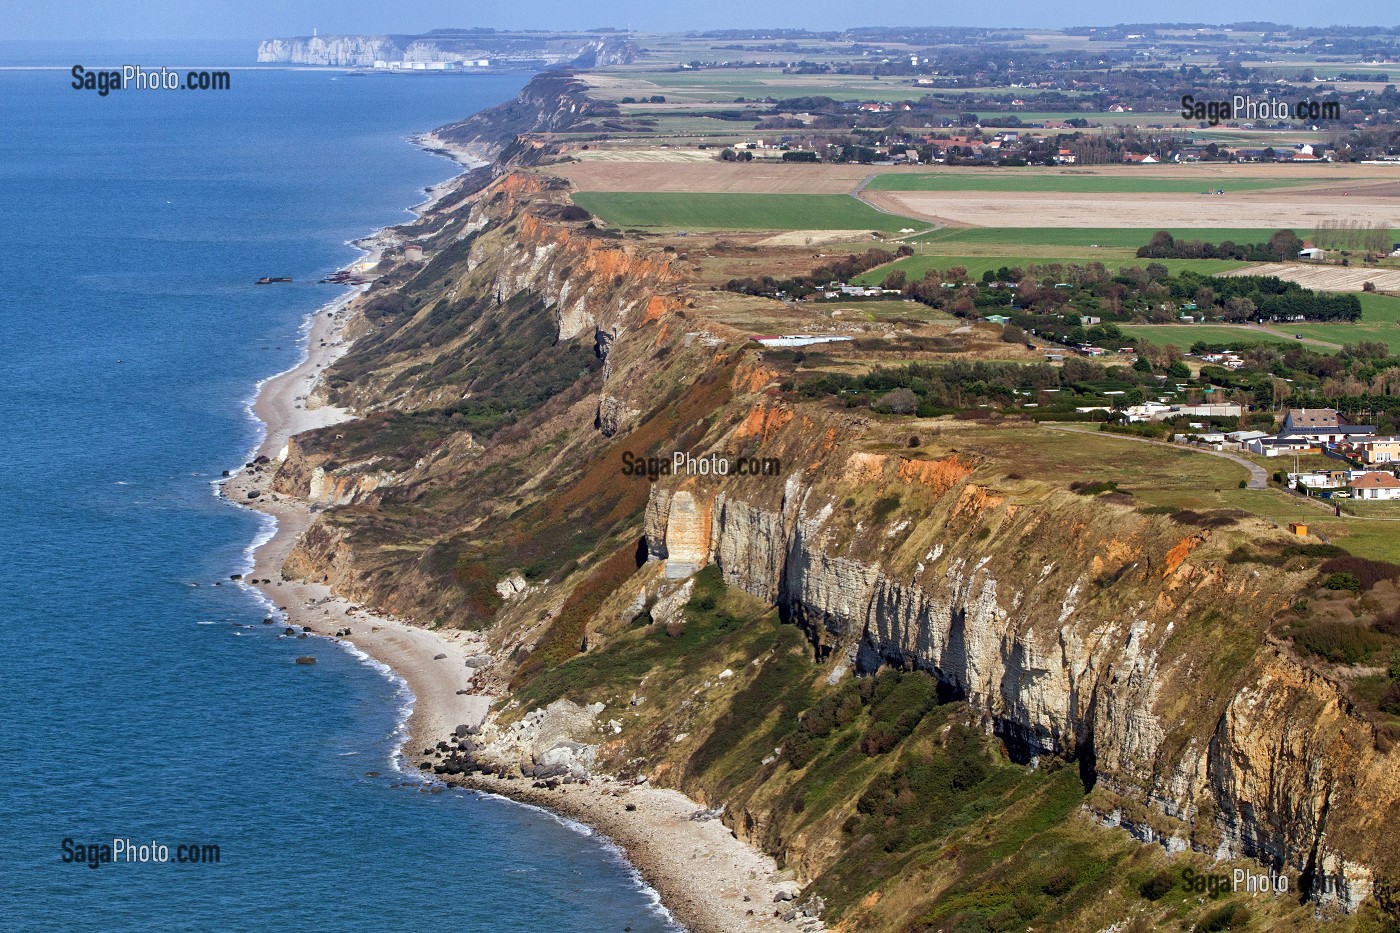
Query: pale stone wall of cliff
(1075, 633)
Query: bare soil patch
(1326, 278)
(1293, 208)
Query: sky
(256, 19)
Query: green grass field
(1013, 180)
(1184, 335)
(1380, 320)
(687, 211)
(915, 266)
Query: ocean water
(139, 700)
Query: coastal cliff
(884, 655)
(498, 49)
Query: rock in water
(306, 659)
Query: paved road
(1258, 478)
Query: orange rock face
(938, 475)
(762, 422)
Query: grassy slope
(685, 211)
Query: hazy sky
(253, 19)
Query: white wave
(613, 850)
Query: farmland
(710, 211)
(1061, 209)
(1068, 183)
(915, 266)
(1185, 335)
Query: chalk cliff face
(1075, 629)
(330, 50)
(501, 49)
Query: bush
(1390, 699)
(1343, 581)
(898, 705)
(1226, 917)
(899, 402)
(1367, 573)
(882, 508)
(1061, 882)
(1339, 642)
(1313, 550)
(1158, 886)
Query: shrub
(898, 705)
(1094, 489)
(1215, 518)
(1313, 550)
(899, 402)
(882, 508)
(1390, 699)
(1367, 573)
(1339, 642)
(1158, 886)
(1343, 581)
(1225, 917)
(1061, 882)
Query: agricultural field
(1185, 335)
(1262, 208)
(983, 240)
(915, 266)
(1014, 180)
(1330, 278)
(680, 211)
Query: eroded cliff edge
(1089, 659)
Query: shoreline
(706, 879)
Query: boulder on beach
(439, 657)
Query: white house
(1376, 486)
(1312, 252)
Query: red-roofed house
(1376, 486)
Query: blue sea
(138, 699)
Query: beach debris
(306, 659)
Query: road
(1258, 478)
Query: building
(1312, 252)
(1279, 445)
(1376, 486)
(413, 253)
(1376, 450)
(1325, 426)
